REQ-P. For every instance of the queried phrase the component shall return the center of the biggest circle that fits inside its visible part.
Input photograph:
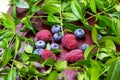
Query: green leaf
(57, 51)
(22, 4)
(53, 75)
(114, 71)
(13, 12)
(82, 63)
(51, 8)
(80, 76)
(72, 27)
(34, 57)
(28, 24)
(24, 57)
(48, 62)
(12, 74)
(77, 10)
(110, 46)
(60, 65)
(17, 45)
(28, 48)
(8, 22)
(48, 46)
(70, 16)
(6, 57)
(95, 70)
(117, 8)
(93, 6)
(88, 50)
(52, 18)
(94, 35)
(18, 64)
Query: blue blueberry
(40, 44)
(84, 46)
(79, 33)
(57, 37)
(38, 51)
(56, 28)
(54, 46)
(99, 36)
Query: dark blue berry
(38, 51)
(54, 46)
(84, 46)
(40, 44)
(79, 33)
(56, 28)
(57, 37)
(99, 36)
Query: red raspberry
(74, 55)
(48, 54)
(70, 74)
(44, 35)
(69, 41)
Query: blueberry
(56, 28)
(84, 46)
(79, 33)
(40, 44)
(99, 36)
(57, 37)
(54, 46)
(38, 51)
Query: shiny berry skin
(38, 51)
(56, 28)
(99, 36)
(57, 37)
(54, 46)
(40, 44)
(84, 46)
(79, 33)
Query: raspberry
(44, 35)
(69, 41)
(74, 55)
(48, 54)
(70, 74)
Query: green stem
(61, 18)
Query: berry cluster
(69, 41)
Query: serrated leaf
(53, 75)
(48, 62)
(95, 70)
(22, 4)
(93, 6)
(56, 51)
(12, 74)
(70, 16)
(94, 35)
(114, 71)
(72, 27)
(6, 57)
(82, 63)
(17, 44)
(52, 18)
(60, 65)
(88, 50)
(77, 10)
(28, 48)
(8, 22)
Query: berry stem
(61, 18)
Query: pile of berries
(69, 42)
